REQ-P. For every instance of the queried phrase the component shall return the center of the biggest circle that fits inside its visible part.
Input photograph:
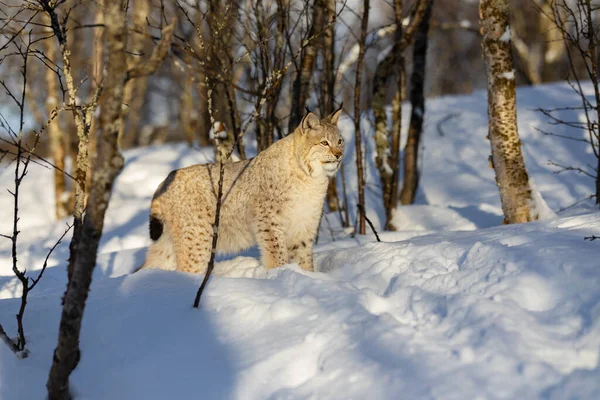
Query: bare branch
(158, 54)
(362, 211)
(564, 168)
(35, 281)
(20, 353)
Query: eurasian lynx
(274, 200)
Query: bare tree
(307, 61)
(387, 142)
(327, 51)
(357, 131)
(97, 63)
(507, 157)
(538, 46)
(187, 113)
(576, 22)
(221, 63)
(55, 135)
(268, 53)
(394, 159)
(108, 164)
(82, 116)
(23, 154)
(22, 160)
(417, 99)
(135, 90)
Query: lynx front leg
(271, 241)
(301, 252)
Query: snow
(506, 35)
(538, 205)
(465, 23)
(455, 305)
(508, 75)
(218, 127)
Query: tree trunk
(411, 151)
(554, 47)
(203, 123)
(357, 133)
(108, 165)
(56, 138)
(203, 115)
(220, 16)
(507, 158)
(69, 123)
(539, 49)
(141, 10)
(270, 60)
(387, 143)
(96, 67)
(328, 55)
(186, 108)
(136, 109)
(382, 133)
(82, 126)
(34, 103)
(394, 159)
(309, 53)
(328, 87)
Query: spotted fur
(274, 200)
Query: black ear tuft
(335, 116)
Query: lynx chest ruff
(273, 201)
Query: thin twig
(35, 281)
(362, 211)
(591, 196)
(564, 168)
(20, 353)
(211, 262)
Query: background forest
(460, 117)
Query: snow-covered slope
(453, 306)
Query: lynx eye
(340, 142)
(324, 143)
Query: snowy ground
(453, 306)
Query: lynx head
(320, 144)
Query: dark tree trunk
(417, 99)
(387, 143)
(394, 159)
(328, 87)
(382, 133)
(309, 53)
(357, 133)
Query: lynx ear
(335, 116)
(309, 121)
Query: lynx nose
(338, 155)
